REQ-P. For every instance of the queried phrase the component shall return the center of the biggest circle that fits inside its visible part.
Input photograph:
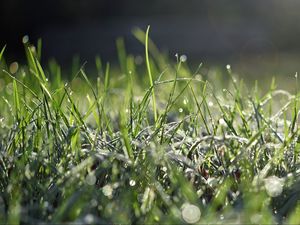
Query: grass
(144, 144)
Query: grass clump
(113, 148)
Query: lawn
(151, 141)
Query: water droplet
(9, 88)
(222, 122)
(180, 110)
(274, 186)
(89, 219)
(132, 183)
(25, 39)
(198, 77)
(46, 204)
(32, 49)
(190, 213)
(256, 218)
(210, 104)
(94, 202)
(107, 190)
(13, 67)
(138, 60)
(91, 179)
(222, 217)
(296, 75)
(228, 67)
(185, 101)
(183, 58)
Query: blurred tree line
(276, 17)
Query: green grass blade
(122, 55)
(150, 74)
(2, 51)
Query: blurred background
(256, 37)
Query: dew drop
(89, 219)
(198, 77)
(9, 89)
(32, 49)
(94, 203)
(107, 190)
(91, 179)
(190, 213)
(138, 60)
(132, 183)
(222, 122)
(256, 218)
(183, 58)
(13, 67)
(25, 39)
(274, 186)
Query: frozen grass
(150, 143)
